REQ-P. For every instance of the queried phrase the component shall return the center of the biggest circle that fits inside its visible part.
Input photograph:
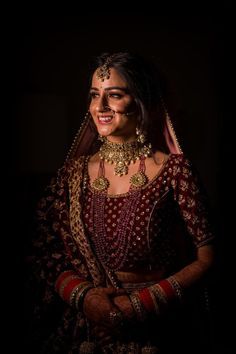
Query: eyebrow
(111, 88)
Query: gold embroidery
(77, 227)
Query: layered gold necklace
(121, 155)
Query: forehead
(115, 79)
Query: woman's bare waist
(139, 279)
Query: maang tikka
(103, 71)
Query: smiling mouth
(105, 119)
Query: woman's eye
(110, 95)
(115, 95)
(94, 94)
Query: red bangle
(69, 288)
(62, 277)
(167, 288)
(146, 299)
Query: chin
(105, 132)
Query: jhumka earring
(140, 136)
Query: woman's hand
(104, 316)
(106, 335)
(98, 306)
(123, 303)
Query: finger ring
(116, 318)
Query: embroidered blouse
(169, 222)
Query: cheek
(92, 108)
(121, 106)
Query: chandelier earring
(140, 136)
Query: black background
(47, 69)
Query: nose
(102, 104)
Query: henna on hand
(98, 305)
(123, 303)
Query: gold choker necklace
(122, 154)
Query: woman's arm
(157, 298)
(196, 270)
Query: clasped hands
(107, 309)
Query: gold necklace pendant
(100, 184)
(121, 169)
(138, 180)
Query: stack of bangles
(156, 298)
(153, 299)
(72, 288)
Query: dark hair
(144, 82)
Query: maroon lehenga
(164, 229)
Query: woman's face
(113, 108)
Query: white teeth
(105, 119)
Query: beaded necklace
(123, 231)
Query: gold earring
(140, 136)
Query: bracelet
(137, 306)
(160, 298)
(164, 293)
(63, 277)
(71, 287)
(147, 299)
(76, 291)
(79, 299)
(176, 286)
